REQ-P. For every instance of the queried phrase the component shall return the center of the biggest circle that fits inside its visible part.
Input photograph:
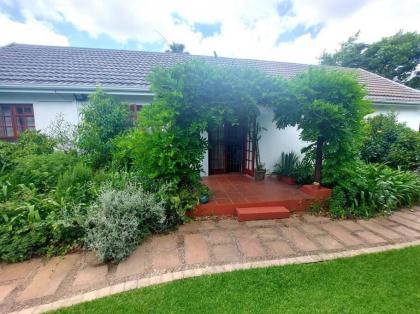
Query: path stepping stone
(49, 277)
(196, 250)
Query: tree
(328, 107)
(396, 57)
(102, 119)
(176, 48)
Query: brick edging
(145, 282)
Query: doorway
(231, 148)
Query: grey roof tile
(35, 65)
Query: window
(134, 111)
(15, 119)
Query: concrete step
(260, 213)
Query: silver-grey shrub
(120, 219)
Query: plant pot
(260, 174)
(286, 179)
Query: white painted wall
(409, 114)
(274, 141)
(48, 106)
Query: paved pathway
(201, 245)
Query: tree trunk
(318, 159)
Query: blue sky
(285, 30)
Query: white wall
(274, 141)
(410, 114)
(48, 106)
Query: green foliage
(75, 185)
(303, 171)
(337, 203)
(41, 170)
(374, 188)
(103, 118)
(120, 219)
(29, 143)
(394, 57)
(286, 164)
(391, 143)
(327, 105)
(32, 223)
(33, 142)
(168, 145)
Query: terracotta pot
(260, 175)
(286, 179)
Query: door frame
(248, 156)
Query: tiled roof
(33, 65)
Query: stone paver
(409, 223)
(196, 250)
(299, 239)
(267, 233)
(312, 230)
(385, 232)
(280, 248)
(406, 215)
(329, 243)
(136, 263)
(5, 291)
(370, 237)
(49, 277)
(250, 246)
(207, 246)
(406, 231)
(342, 234)
(351, 225)
(90, 276)
(226, 252)
(220, 236)
(19, 270)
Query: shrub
(303, 171)
(7, 152)
(41, 170)
(75, 184)
(120, 219)
(374, 188)
(32, 223)
(391, 143)
(103, 118)
(286, 163)
(337, 203)
(405, 151)
(35, 143)
(63, 133)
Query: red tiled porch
(231, 191)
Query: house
(39, 82)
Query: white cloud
(249, 28)
(31, 32)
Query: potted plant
(260, 170)
(285, 166)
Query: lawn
(380, 283)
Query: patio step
(260, 213)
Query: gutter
(59, 89)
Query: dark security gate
(226, 148)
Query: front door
(226, 148)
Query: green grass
(381, 283)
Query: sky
(281, 30)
